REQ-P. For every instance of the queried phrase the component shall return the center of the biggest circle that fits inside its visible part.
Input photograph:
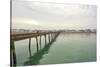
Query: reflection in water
(34, 60)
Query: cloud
(52, 14)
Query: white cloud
(53, 14)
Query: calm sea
(66, 48)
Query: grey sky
(59, 16)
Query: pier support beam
(45, 39)
(37, 44)
(29, 42)
(49, 37)
(40, 41)
(12, 54)
(30, 46)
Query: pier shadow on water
(35, 59)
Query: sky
(51, 15)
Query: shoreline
(78, 32)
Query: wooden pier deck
(20, 36)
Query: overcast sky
(33, 14)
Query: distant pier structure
(48, 35)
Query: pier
(49, 36)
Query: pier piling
(37, 43)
